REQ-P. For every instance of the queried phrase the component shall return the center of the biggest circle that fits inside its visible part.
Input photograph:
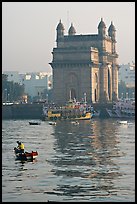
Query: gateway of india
(85, 65)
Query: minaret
(103, 69)
(71, 30)
(112, 34)
(60, 32)
(102, 28)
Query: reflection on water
(93, 161)
(87, 155)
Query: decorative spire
(60, 31)
(60, 26)
(111, 27)
(102, 28)
(101, 24)
(71, 30)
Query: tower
(112, 34)
(60, 32)
(71, 30)
(102, 28)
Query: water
(90, 162)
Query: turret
(102, 28)
(71, 30)
(60, 31)
(112, 31)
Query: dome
(60, 26)
(111, 27)
(72, 30)
(101, 24)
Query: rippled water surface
(90, 162)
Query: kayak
(26, 155)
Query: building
(36, 83)
(85, 65)
(13, 76)
(127, 74)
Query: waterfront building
(127, 74)
(35, 83)
(85, 65)
(13, 76)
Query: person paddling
(20, 147)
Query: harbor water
(93, 161)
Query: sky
(29, 30)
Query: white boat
(123, 122)
(75, 122)
(52, 123)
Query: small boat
(34, 123)
(52, 123)
(75, 122)
(26, 156)
(122, 122)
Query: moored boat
(71, 111)
(122, 109)
(34, 123)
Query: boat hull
(26, 156)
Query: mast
(70, 95)
(85, 98)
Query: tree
(10, 90)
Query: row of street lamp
(6, 95)
(122, 94)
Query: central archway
(73, 93)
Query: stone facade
(85, 64)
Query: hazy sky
(29, 30)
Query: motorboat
(34, 123)
(26, 156)
(75, 122)
(52, 123)
(123, 122)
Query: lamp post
(121, 95)
(47, 97)
(133, 95)
(8, 97)
(5, 95)
(85, 98)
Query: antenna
(67, 18)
